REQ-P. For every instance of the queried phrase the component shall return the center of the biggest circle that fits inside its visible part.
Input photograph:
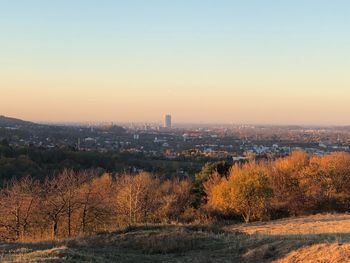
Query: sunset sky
(275, 62)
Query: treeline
(18, 162)
(83, 203)
(72, 204)
(295, 185)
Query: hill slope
(13, 122)
(321, 238)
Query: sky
(203, 61)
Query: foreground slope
(320, 238)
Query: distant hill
(54, 129)
(13, 122)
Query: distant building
(167, 121)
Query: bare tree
(19, 203)
(97, 206)
(133, 197)
(54, 203)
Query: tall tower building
(167, 121)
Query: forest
(83, 202)
(39, 162)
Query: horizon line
(179, 123)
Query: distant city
(166, 141)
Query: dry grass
(320, 238)
(316, 224)
(320, 253)
(30, 255)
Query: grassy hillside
(320, 238)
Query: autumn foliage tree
(174, 198)
(246, 192)
(285, 179)
(326, 181)
(220, 168)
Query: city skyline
(257, 62)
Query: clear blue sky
(209, 61)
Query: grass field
(319, 238)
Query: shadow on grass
(169, 243)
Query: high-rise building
(167, 121)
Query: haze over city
(271, 62)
